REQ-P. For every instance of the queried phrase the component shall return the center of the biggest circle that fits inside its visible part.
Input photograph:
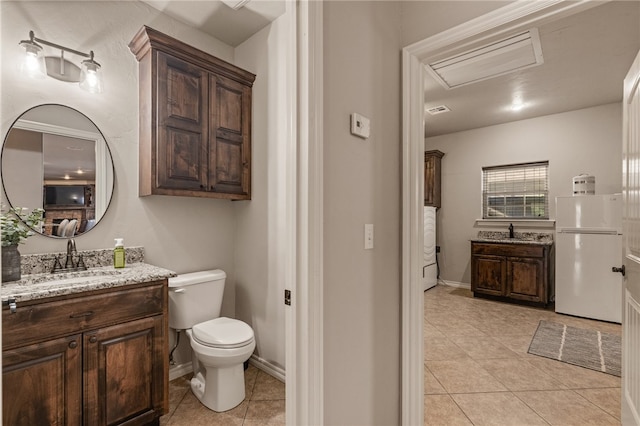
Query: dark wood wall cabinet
(513, 272)
(195, 120)
(432, 178)
(96, 358)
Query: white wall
(582, 141)
(179, 233)
(362, 185)
(259, 242)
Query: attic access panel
(501, 57)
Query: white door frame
(503, 20)
(304, 321)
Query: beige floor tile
(431, 384)
(572, 376)
(464, 376)
(459, 329)
(441, 410)
(191, 412)
(608, 399)
(442, 348)
(250, 375)
(430, 331)
(516, 343)
(178, 388)
(482, 347)
(265, 413)
(496, 409)
(267, 388)
(518, 375)
(567, 408)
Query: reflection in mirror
(56, 159)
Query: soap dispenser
(118, 253)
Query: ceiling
(586, 56)
(218, 19)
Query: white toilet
(220, 345)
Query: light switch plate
(360, 126)
(368, 236)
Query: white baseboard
(267, 367)
(180, 370)
(456, 284)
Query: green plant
(17, 225)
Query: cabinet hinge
(287, 297)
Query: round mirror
(56, 159)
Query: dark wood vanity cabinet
(432, 178)
(195, 121)
(99, 358)
(512, 272)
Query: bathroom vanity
(86, 348)
(519, 269)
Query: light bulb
(33, 64)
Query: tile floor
(263, 405)
(478, 371)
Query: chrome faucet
(511, 230)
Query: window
(516, 191)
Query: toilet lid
(223, 333)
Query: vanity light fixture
(88, 75)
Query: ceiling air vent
(514, 53)
(438, 109)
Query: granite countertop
(42, 285)
(538, 238)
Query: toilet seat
(223, 333)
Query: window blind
(516, 191)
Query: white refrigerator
(430, 267)
(588, 244)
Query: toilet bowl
(220, 348)
(220, 345)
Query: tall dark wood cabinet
(432, 178)
(195, 120)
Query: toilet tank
(195, 297)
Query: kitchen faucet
(511, 230)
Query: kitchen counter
(42, 285)
(538, 238)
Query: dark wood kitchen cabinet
(433, 178)
(195, 120)
(96, 358)
(518, 272)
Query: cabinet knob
(93, 339)
(73, 344)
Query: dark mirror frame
(54, 224)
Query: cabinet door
(525, 279)
(488, 275)
(230, 138)
(42, 383)
(124, 373)
(181, 155)
(432, 178)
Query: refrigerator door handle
(588, 231)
